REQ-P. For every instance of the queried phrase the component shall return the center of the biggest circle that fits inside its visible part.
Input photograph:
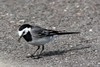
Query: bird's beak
(20, 38)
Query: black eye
(24, 32)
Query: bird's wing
(41, 32)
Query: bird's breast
(28, 37)
(40, 41)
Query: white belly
(40, 41)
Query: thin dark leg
(42, 49)
(36, 50)
(37, 56)
(33, 55)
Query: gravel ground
(82, 50)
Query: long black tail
(52, 32)
(64, 33)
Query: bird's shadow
(60, 52)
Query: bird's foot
(37, 57)
(33, 56)
(30, 56)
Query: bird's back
(38, 38)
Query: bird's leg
(38, 56)
(36, 50)
(32, 55)
(42, 49)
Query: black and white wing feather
(41, 32)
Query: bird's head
(23, 30)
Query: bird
(38, 36)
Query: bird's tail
(64, 33)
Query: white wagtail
(38, 36)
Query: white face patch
(20, 33)
(24, 30)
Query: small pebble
(54, 28)
(98, 62)
(71, 46)
(90, 30)
(33, 17)
(12, 21)
(22, 20)
(7, 14)
(65, 10)
(28, 54)
(78, 13)
(52, 3)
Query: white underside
(40, 41)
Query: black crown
(24, 26)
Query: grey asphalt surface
(78, 50)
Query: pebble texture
(82, 50)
